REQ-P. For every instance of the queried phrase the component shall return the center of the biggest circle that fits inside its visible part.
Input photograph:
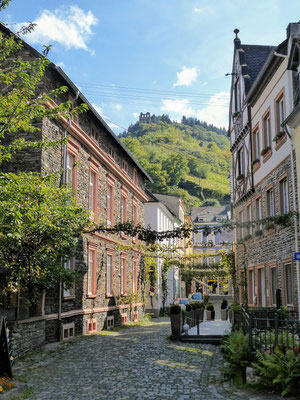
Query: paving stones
(134, 364)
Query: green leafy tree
(40, 226)
(176, 167)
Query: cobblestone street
(137, 363)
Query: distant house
(111, 183)
(263, 175)
(162, 213)
(212, 216)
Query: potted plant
(224, 305)
(210, 311)
(176, 319)
(199, 310)
(189, 315)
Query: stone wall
(274, 245)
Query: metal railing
(268, 330)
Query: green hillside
(188, 159)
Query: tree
(22, 99)
(176, 167)
(40, 226)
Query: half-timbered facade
(262, 173)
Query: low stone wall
(27, 336)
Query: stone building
(263, 179)
(212, 216)
(110, 182)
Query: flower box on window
(279, 136)
(240, 178)
(265, 151)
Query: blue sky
(161, 56)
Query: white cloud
(178, 106)
(60, 64)
(216, 112)
(186, 76)
(135, 115)
(197, 10)
(117, 107)
(71, 27)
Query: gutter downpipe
(63, 183)
(295, 219)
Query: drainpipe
(64, 179)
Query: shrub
(194, 306)
(235, 350)
(198, 305)
(175, 309)
(188, 307)
(279, 369)
(224, 304)
(210, 307)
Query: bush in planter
(210, 311)
(265, 150)
(176, 319)
(188, 307)
(198, 305)
(224, 304)
(175, 309)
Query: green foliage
(188, 307)
(198, 305)
(279, 369)
(210, 307)
(40, 225)
(175, 309)
(235, 350)
(184, 159)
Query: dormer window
(111, 152)
(124, 166)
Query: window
(241, 221)
(197, 237)
(91, 270)
(124, 166)
(284, 198)
(270, 203)
(258, 211)
(267, 130)
(134, 216)
(134, 277)
(241, 163)
(70, 265)
(279, 106)
(261, 288)
(123, 209)
(256, 152)
(123, 275)
(251, 293)
(109, 274)
(70, 169)
(237, 96)
(110, 201)
(288, 283)
(249, 219)
(92, 191)
(135, 177)
(111, 152)
(273, 285)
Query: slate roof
(171, 202)
(254, 56)
(209, 214)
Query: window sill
(123, 236)
(270, 232)
(71, 297)
(91, 296)
(267, 156)
(280, 142)
(256, 166)
(109, 295)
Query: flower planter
(189, 318)
(223, 315)
(176, 324)
(210, 315)
(199, 314)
